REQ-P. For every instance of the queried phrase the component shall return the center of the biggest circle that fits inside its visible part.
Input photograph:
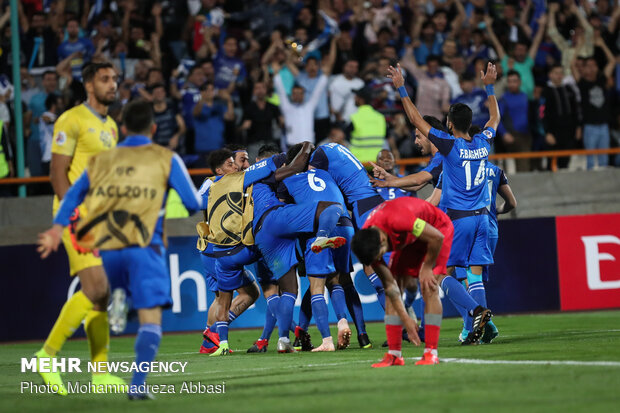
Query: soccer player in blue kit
(497, 183)
(276, 227)
(352, 179)
(317, 185)
(131, 242)
(230, 261)
(465, 194)
(221, 162)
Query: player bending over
(420, 236)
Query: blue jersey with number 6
(464, 169)
(346, 169)
(313, 186)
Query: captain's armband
(418, 227)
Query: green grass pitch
(547, 362)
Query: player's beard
(103, 100)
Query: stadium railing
(552, 155)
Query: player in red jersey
(420, 236)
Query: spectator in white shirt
(298, 115)
(53, 107)
(342, 98)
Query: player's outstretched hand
(396, 75)
(380, 173)
(491, 76)
(49, 240)
(412, 331)
(378, 183)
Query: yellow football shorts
(77, 260)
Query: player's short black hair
(90, 70)
(474, 130)
(235, 147)
(292, 153)
(218, 157)
(267, 150)
(460, 115)
(138, 117)
(316, 60)
(298, 86)
(513, 72)
(435, 123)
(366, 244)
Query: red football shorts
(408, 261)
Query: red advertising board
(589, 261)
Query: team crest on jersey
(60, 138)
(487, 133)
(106, 139)
(91, 130)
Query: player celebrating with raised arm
(465, 194)
(125, 191)
(80, 133)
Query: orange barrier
(553, 155)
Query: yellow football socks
(71, 315)
(98, 333)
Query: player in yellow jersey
(80, 133)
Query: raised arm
(328, 62)
(501, 53)
(523, 23)
(611, 60)
(489, 79)
(412, 112)
(319, 89)
(540, 33)
(552, 30)
(277, 83)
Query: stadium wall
(542, 264)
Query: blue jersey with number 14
(346, 169)
(464, 169)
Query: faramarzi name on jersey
(480, 153)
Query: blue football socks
(320, 312)
(146, 347)
(339, 303)
(376, 282)
(328, 220)
(285, 313)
